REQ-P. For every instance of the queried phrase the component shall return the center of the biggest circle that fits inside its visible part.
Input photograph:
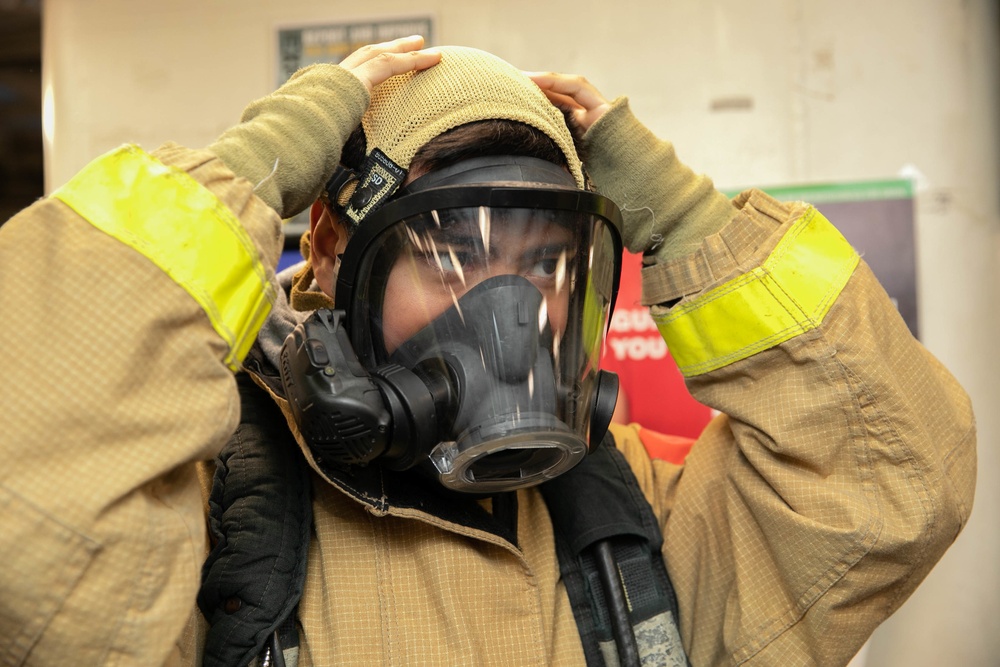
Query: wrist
(667, 208)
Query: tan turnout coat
(842, 468)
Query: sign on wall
(331, 43)
(876, 217)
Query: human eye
(544, 267)
(548, 264)
(452, 262)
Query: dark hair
(476, 139)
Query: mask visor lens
(511, 305)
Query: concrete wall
(752, 92)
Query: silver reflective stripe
(658, 641)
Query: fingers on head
(384, 65)
(562, 101)
(398, 63)
(369, 52)
(400, 44)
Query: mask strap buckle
(341, 179)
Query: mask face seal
(479, 313)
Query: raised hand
(573, 93)
(375, 63)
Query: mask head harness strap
(495, 169)
(358, 194)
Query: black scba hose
(614, 594)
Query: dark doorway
(22, 178)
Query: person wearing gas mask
(411, 457)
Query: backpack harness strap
(609, 546)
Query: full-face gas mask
(472, 310)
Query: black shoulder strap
(260, 517)
(609, 547)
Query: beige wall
(825, 90)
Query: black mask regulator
(350, 416)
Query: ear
(327, 240)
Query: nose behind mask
(490, 345)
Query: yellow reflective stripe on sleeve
(179, 225)
(789, 294)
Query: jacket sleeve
(128, 298)
(843, 465)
